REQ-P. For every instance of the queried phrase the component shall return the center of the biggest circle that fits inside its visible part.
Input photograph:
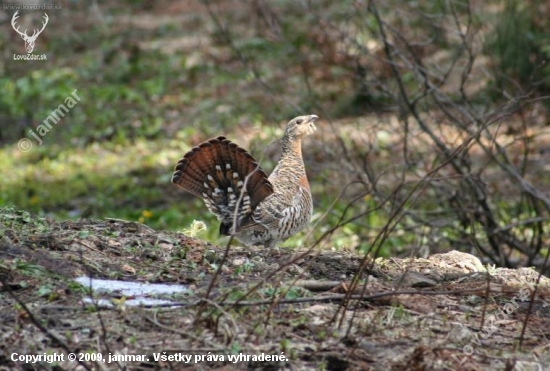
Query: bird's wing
(276, 212)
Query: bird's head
(301, 126)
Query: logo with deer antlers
(29, 40)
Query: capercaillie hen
(254, 208)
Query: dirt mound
(267, 309)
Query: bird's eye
(299, 121)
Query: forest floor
(447, 312)
(157, 81)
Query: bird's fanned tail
(217, 171)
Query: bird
(254, 208)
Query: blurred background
(433, 134)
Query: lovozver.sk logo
(29, 40)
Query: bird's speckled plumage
(271, 209)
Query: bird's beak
(311, 124)
(312, 118)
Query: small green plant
(235, 348)
(44, 291)
(77, 288)
(29, 269)
(244, 268)
(196, 228)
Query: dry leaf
(194, 255)
(114, 243)
(128, 269)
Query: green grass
(143, 105)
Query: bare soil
(448, 312)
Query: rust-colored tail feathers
(216, 171)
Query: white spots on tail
(224, 194)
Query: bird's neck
(291, 164)
(292, 148)
(290, 171)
